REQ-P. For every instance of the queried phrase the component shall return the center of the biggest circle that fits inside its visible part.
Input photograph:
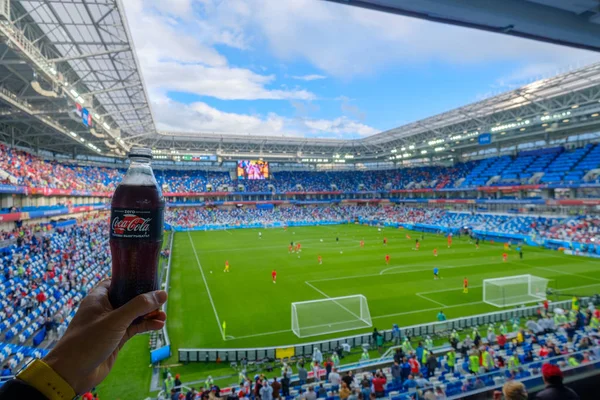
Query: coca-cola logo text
(130, 223)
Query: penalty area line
(425, 310)
(259, 334)
(431, 300)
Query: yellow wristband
(43, 378)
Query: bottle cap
(140, 152)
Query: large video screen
(252, 169)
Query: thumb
(139, 306)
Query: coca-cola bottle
(136, 230)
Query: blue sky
(316, 69)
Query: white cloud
(200, 117)
(178, 8)
(225, 83)
(341, 126)
(175, 57)
(308, 78)
(348, 41)
(351, 109)
(156, 40)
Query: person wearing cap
(555, 389)
(177, 383)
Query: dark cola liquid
(136, 236)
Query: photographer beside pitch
(88, 350)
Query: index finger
(101, 290)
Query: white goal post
(335, 314)
(514, 290)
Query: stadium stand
(545, 166)
(476, 364)
(23, 169)
(44, 274)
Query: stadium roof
(58, 54)
(574, 23)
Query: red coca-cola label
(136, 224)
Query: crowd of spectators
(44, 274)
(477, 361)
(585, 229)
(576, 229)
(192, 217)
(23, 169)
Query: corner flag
(224, 327)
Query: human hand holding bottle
(88, 350)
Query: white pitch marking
(433, 301)
(425, 310)
(556, 271)
(449, 290)
(212, 303)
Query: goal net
(336, 314)
(514, 290)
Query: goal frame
(535, 297)
(365, 319)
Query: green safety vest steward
(513, 362)
(429, 344)
(365, 356)
(424, 358)
(595, 323)
(451, 359)
(485, 359)
(474, 363)
(573, 362)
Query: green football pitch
(257, 313)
